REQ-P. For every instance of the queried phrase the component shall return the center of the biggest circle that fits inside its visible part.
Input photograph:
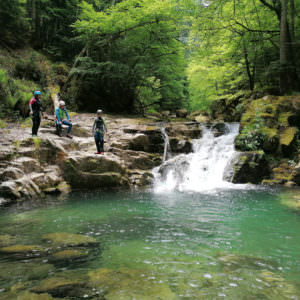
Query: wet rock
(23, 251)
(133, 284)
(181, 113)
(26, 295)
(220, 129)
(140, 178)
(178, 165)
(288, 140)
(60, 287)
(69, 239)
(180, 146)
(70, 254)
(247, 167)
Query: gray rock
(9, 189)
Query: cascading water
(203, 169)
(167, 144)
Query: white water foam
(202, 170)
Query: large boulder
(139, 142)
(247, 167)
(89, 171)
(181, 113)
(178, 145)
(189, 130)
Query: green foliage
(13, 23)
(134, 56)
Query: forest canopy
(153, 55)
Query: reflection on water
(234, 244)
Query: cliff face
(49, 164)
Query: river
(181, 239)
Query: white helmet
(62, 103)
(99, 111)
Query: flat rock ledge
(33, 168)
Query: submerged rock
(23, 251)
(69, 239)
(70, 254)
(130, 284)
(60, 287)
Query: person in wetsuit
(36, 110)
(62, 117)
(99, 128)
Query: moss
(134, 284)
(283, 118)
(59, 286)
(287, 136)
(69, 239)
(27, 123)
(291, 199)
(2, 124)
(18, 249)
(70, 254)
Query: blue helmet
(37, 93)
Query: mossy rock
(291, 199)
(69, 239)
(287, 136)
(23, 250)
(248, 167)
(26, 296)
(70, 254)
(60, 287)
(25, 270)
(126, 284)
(7, 240)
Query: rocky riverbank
(50, 165)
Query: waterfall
(167, 144)
(204, 168)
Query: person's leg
(58, 129)
(68, 124)
(101, 143)
(97, 141)
(38, 124)
(35, 124)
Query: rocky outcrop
(247, 167)
(92, 172)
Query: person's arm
(30, 107)
(57, 115)
(104, 125)
(67, 115)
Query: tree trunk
(248, 69)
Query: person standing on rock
(62, 118)
(36, 110)
(99, 128)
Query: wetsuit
(62, 116)
(99, 128)
(36, 107)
